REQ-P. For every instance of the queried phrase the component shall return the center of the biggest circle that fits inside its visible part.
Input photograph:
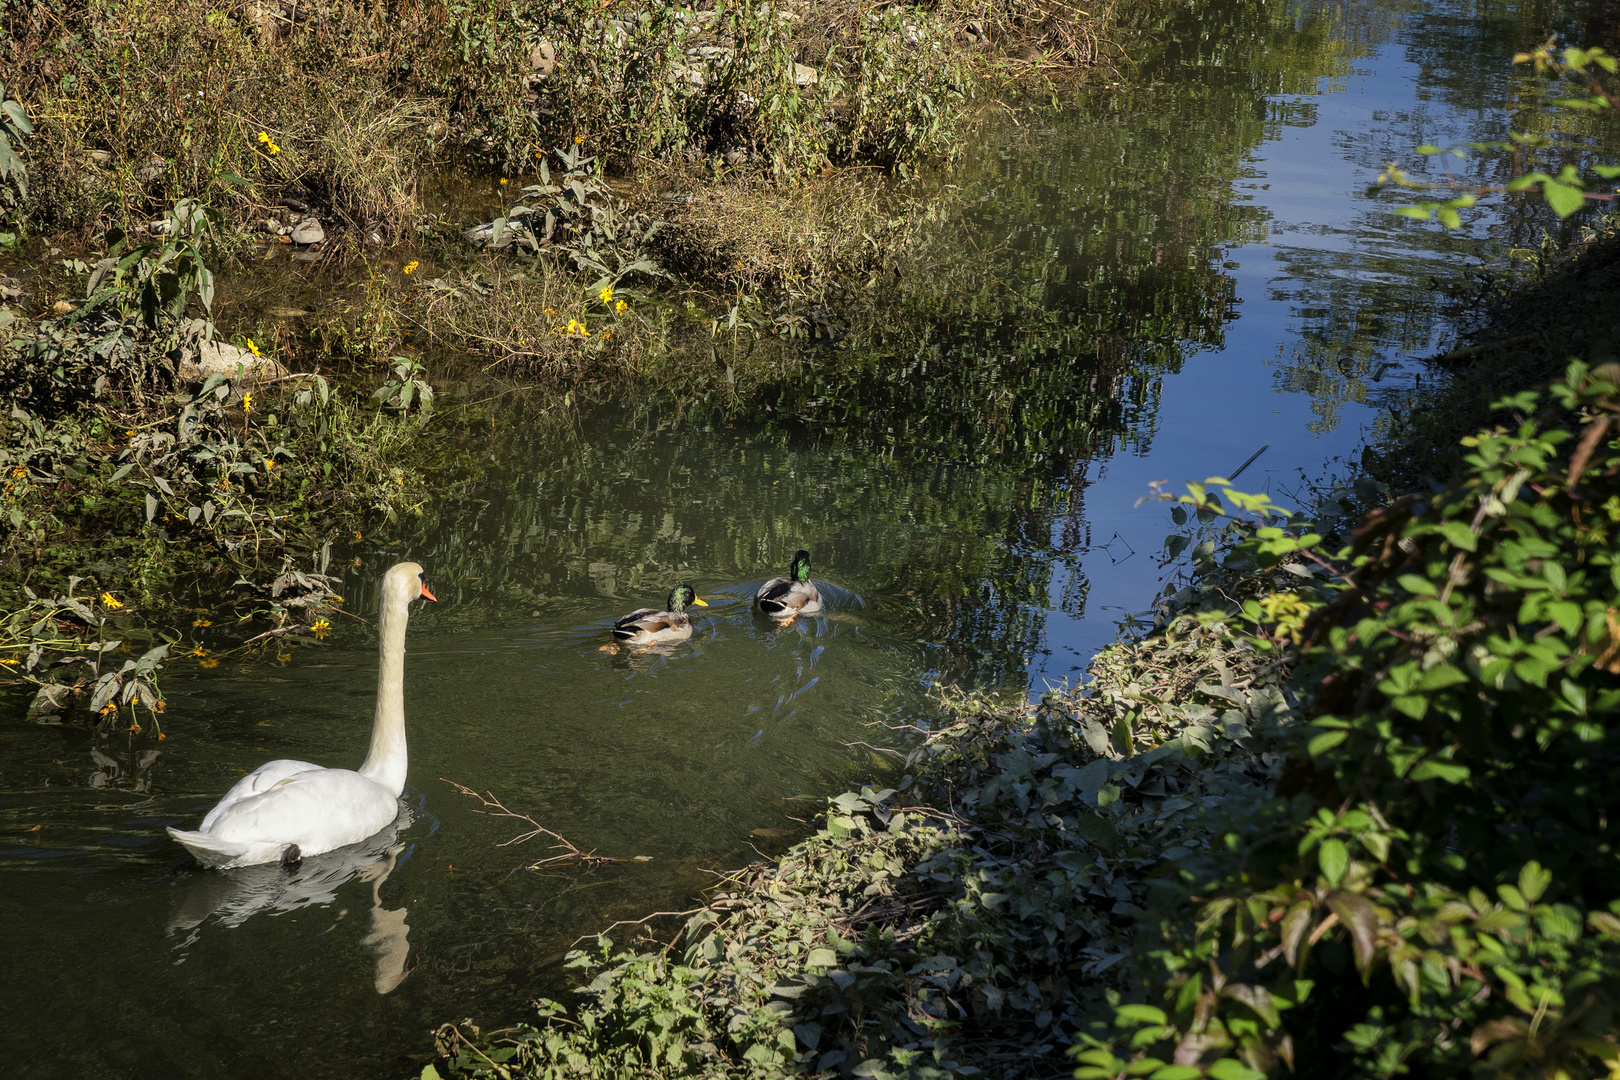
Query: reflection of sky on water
(1328, 244)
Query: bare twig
(639, 922)
(570, 852)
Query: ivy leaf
(1533, 881)
(1233, 1069)
(1432, 769)
(1458, 534)
(1333, 859)
(1563, 199)
(1359, 916)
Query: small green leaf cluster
(14, 125)
(577, 214)
(1565, 192)
(64, 647)
(1436, 887)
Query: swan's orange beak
(427, 595)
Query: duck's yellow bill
(700, 602)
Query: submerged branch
(570, 851)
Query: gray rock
(543, 59)
(805, 75)
(219, 358)
(308, 231)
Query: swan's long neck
(386, 762)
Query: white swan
(284, 810)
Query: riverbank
(1272, 834)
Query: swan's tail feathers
(211, 850)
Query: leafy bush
(1434, 889)
(14, 125)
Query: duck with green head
(649, 626)
(788, 598)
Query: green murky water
(1155, 280)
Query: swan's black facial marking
(291, 857)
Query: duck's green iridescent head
(682, 595)
(800, 570)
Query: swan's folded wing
(317, 809)
(257, 782)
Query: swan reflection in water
(231, 897)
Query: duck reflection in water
(231, 897)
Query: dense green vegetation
(1346, 813)
(1342, 814)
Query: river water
(1157, 280)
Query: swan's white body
(293, 808)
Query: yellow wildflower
(619, 308)
(134, 727)
(247, 402)
(9, 662)
(18, 470)
(159, 706)
(108, 599)
(503, 181)
(208, 663)
(319, 628)
(202, 622)
(410, 267)
(578, 139)
(606, 334)
(108, 708)
(606, 295)
(129, 434)
(252, 348)
(198, 651)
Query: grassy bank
(339, 107)
(1343, 814)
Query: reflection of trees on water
(1387, 285)
(644, 500)
(939, 451)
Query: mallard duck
(649, 626)
(792, 596)
(285, 810)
